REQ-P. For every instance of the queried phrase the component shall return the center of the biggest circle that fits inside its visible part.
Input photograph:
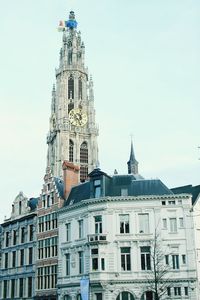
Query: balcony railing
(97, 238)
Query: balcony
(97, 238)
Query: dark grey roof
(60, 186)
(78, 193)
(189, 189)
(113, 186)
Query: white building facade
(110, 240)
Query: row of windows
(172, 224)
(177, 291)
(47, 277)
(48, 248)
(172, 202)
(124, 225)
(98, 263)
(14, 288)
(47, 222)
(48, 200)
(18, 258)
(19, 236)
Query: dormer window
(97, 188)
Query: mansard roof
(113, 185)
(189, 189)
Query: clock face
(78, 117)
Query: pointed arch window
(80, 88)
(84, 153)
(71, 87)
(71, 151)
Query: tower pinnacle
(132, 163)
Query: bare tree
(159, 277)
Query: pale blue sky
(144, 58)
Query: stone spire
(132, 163)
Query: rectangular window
(97, 188)
(143, 223)
(12, 288)
(98, 224)
(163, 202)
(21, 287)
(31, 232)
(168, 291)
(95, 263)
(80, 229)
(124, 223)
(98, 296)
(175, 262)
(6, 261)
(184, 259)
(30, 256)
(145, 258)
(164, 223)
(68, 232)
(186, 290)
(171, 202)
(14, 259)
(48, 200)
(5, 287)
(7, 239)
(67, 264)
(177, 291)
(103, 264)
(22, 235)
(181, 223)
(14, 237)
(21, 257)
(173, 224)
(30, 287)
(81, 263)
(125, 259)
(167, 259)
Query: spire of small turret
(132, 163)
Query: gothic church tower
(73, 132)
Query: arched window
(80, 88)
(71, 87)
(148, 295)
(67, 297)
(125, 296)
(71, 151)
(79, 297)
(84, 153)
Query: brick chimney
(70, 176)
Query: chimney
(70, 176)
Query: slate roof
(189, 189)
(60, 186)
(113, 186)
